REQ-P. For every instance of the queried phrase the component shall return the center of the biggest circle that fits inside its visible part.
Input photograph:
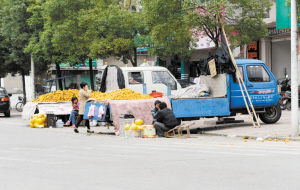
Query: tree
(16, 33)
(242, 20)
(65, 34)
(169, 33)
(113, 30)
(40, 45)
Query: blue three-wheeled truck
(226, 97)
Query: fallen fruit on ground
(263, 140)
(251, 137)
(276, 140)
(245, 140)
(270, 139)
(66, 95)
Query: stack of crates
(123, 120)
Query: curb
(254, 137)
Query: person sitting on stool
(165, 120)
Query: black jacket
(167, 117)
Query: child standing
(74, 112)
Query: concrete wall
(271, 21)
(13, 84)
(281, 57)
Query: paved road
(59, 159)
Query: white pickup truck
(156, 79)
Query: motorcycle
(285, 92)
(286, 99)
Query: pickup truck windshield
(257, 73)
(163, 77)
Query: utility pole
(294, 70)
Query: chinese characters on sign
(253, 50)
(267, 98)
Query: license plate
(284, 101)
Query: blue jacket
(154, 112)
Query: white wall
(281, 57)
(271, 21)
(13, 84)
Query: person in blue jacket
(155, 110)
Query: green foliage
(288, 4)
(16, 33)
(112, 30)
(242, 19)
(45, 44)
(168, 30)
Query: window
(235, 80)
(163, 77)
(257, 74)
(136, 78)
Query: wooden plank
(240, 80)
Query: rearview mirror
(9, 95)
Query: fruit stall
(106, 107)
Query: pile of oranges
(58, 96)
(121, 94)
(66, 95)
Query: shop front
(79, 72)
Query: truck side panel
(186, 108)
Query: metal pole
(32, 94)
(294, 70)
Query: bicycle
(20, 104)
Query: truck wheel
(272, 115)
(288, 106)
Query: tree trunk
(135, 57)
(24, 88)
(58, 74)
(91, 74)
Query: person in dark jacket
(165, 120)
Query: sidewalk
(281, 129)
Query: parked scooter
(286, 99)
(285, 88)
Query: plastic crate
(51, 120)
(123, 120)
(133, 134)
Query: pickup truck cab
(226, 97)
(157, 78)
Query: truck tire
(288, 106)
(272, 115)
